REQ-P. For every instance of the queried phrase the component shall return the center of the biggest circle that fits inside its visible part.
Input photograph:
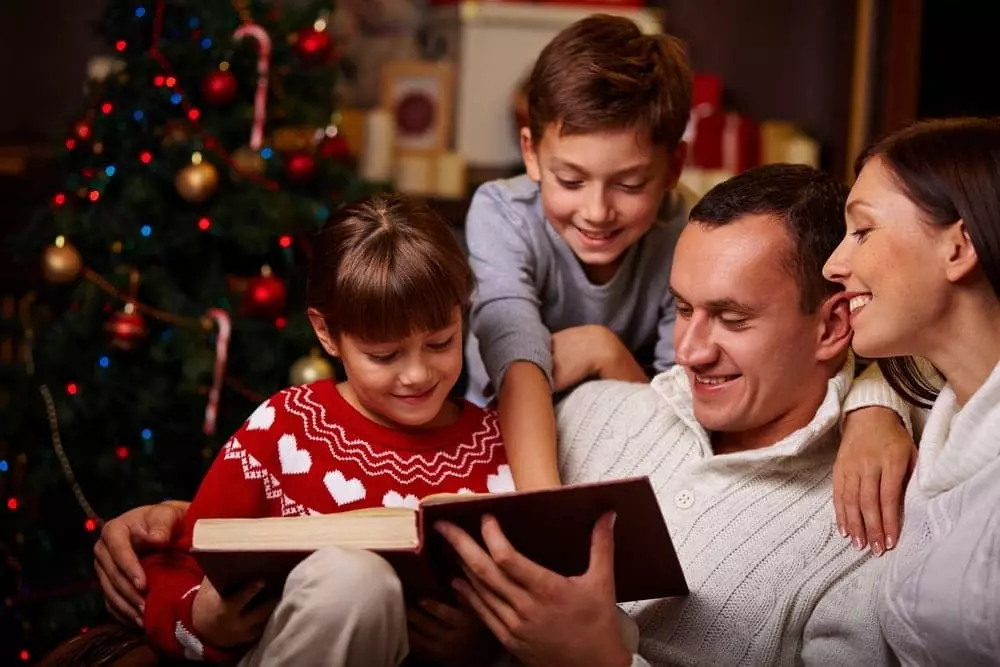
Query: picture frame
(419, 95)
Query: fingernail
(137, 581)
(877, 548)
(614, 518)
(889, 542)
(142, 607)
(138, 620)
(843, 531)
(858, 544)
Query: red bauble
(127, 328)
(265, 295)
(219, 87)
(82, 129)
(334, 148)
(300, 167)
(313, 46)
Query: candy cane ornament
(225, 329)
(263, 68)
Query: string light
(25, 656)
(285, 241)
(145, 157)
(146, 230)
(147, 434)
(122, 453)
(72, 389)
(196, 157)
(107, 108)
(70, 144)
(140, 12)
(104, 362)
(193, 23)
(266, 153)
(280, 323)
(194, 114)
(176, 98)
(170, 81)
(206, 43)
(59, 199)
(158, 80)
(138, 115)
(94, 195)
(110, 170)
(3, 465)
(121, 45)
(90, 525)
(12, 504)
(204, 224)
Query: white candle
(449, 179)
(414, 173)
(376, 156)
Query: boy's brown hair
(385, 268)
(603, 73)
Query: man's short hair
(809, 203)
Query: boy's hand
(451, 636)
(876, 456)
(116, 559)
(591, 350)
(228, 622)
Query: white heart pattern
(344, 491)
(294, 461)
(394, 499)
(502, 481)
(262, 418)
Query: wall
(779, 59)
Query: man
(739, 441)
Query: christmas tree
(173, 257)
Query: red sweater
(306, 450)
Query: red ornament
(265, 295)
(127, 328)
(334, 148)
(313, 46)
(219, 87)
(82, 129)
(300, 167)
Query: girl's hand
(228, 622)
(451, 636)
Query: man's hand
(116, 559)
(590, 351)
(446, 635)
(233, 621)
(876, 456)
(541, 617)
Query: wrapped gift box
(493, 46)
(727, 141)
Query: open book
(551, 527)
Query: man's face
(750, 353)
(600, 191)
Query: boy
(579, 249)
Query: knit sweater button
(684, 499)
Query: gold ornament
(310, 369)
(61, 262)
(248, 161)
(197, 182)
(293, 139)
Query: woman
(921, 263)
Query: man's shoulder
(610, 400)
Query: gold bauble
(61, 263)
(248, 161)
(197, 182)
(310, 369)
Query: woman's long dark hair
(950, 169)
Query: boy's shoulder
(515, 200)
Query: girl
(388, 288)
(921, 263)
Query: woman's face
(892, 266)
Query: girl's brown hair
(949, 168)
(387, 267)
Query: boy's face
(601, 191)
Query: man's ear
(960, 256)
(530, 156)
(834, 330)
(326, 339)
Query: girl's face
(891, 264)
(404, 383)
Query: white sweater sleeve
(843, 628)
(871, 389)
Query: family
(613, 326)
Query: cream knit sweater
(941, 601)
(772, 582)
